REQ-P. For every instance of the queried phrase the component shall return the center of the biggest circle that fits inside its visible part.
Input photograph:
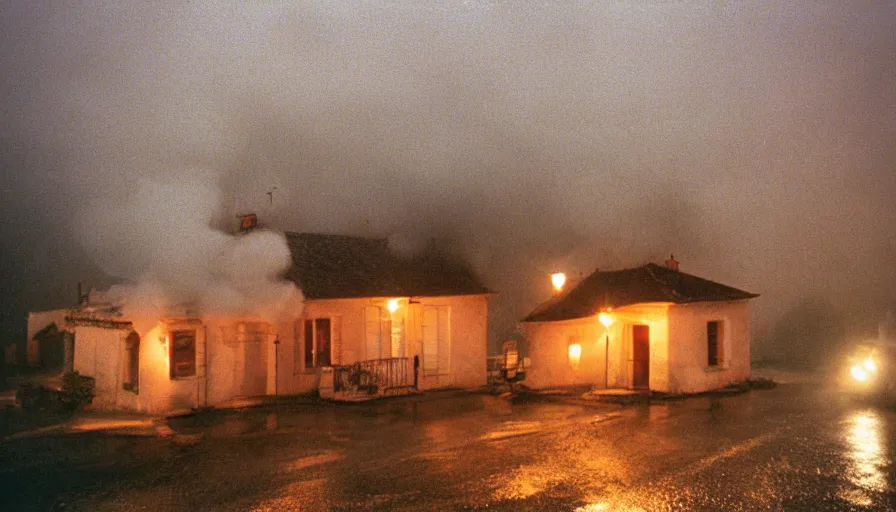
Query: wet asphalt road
(796, 447)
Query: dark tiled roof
(648, 283)
(85, 319)
(337, 266)
(50, 330)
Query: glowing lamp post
(607, 320)
(558, 279)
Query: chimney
(248, 222)
(83, 298)
(672, 263)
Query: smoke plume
(752, 140)
(159, 237)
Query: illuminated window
(182, 354)
(714, 343)
(131, 369)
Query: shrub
(30, 396)
(762, 383)
(77, 390)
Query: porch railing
(373, 376)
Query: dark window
(183, 354)
(131, 378)
(713, 343)
(322, 341)
(309, 346)
(317, 342)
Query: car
(870, 372)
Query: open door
(640, 356)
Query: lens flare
(859, 373)
(870, 365)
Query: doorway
(640, 357)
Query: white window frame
(315, 364)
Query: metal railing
(505, 368)
(373, 376)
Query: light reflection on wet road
(792, 448)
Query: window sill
(715, 369)
(188, 377)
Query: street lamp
(607, 320)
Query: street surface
(797, 447)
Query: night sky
(754, 140)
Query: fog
(753, 140)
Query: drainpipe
(205, 365)
(276, 360)
(607, 361)
(416, 370)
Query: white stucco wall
(549, 353)
(468, 338)
(655, 317)
(96, 356)
(225, 367)
(688, 358)
(549, 341)
(236, 367)
(99, 353)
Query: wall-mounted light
(558, 279)
(605, 318)
(392, 305)
(575, 355)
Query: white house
(650, 327)
(363, 302)
(371, 318)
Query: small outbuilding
(651, 327)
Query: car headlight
(870, 365)
(859, 372)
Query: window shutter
(444, 340)
(373, 330)
(336, 330)
(296, 347)
(309, 343)
(436, 340)
(430, 341)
